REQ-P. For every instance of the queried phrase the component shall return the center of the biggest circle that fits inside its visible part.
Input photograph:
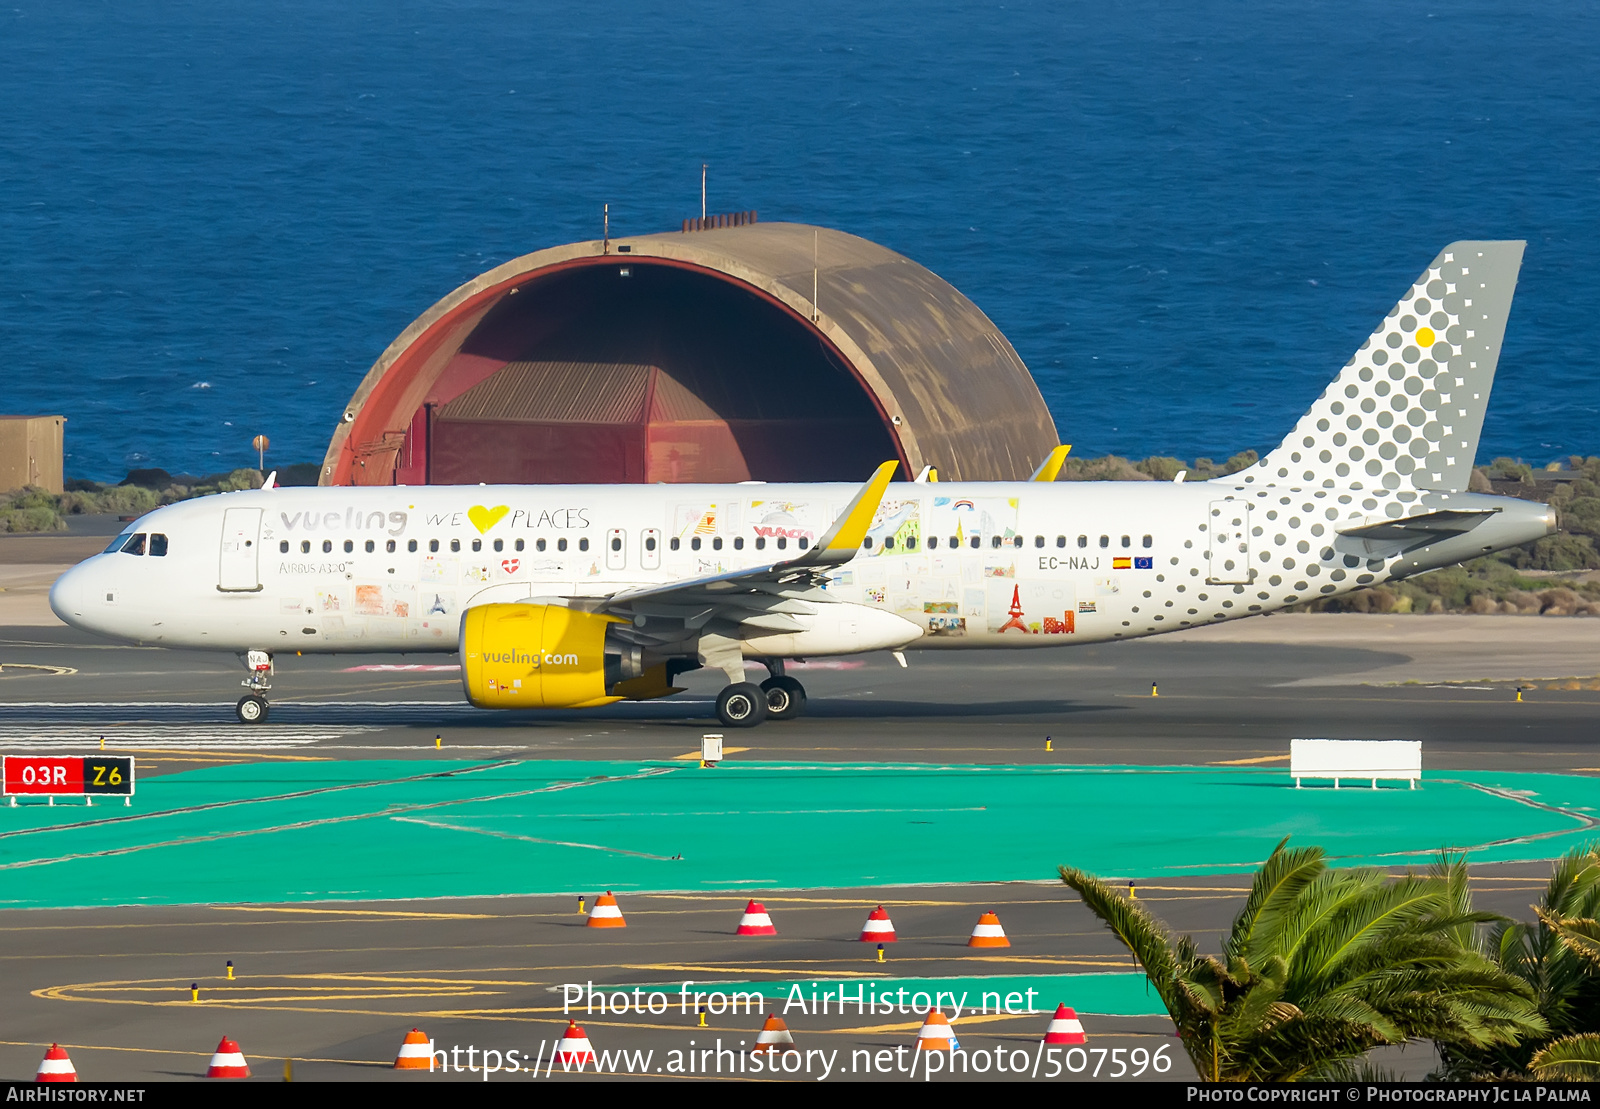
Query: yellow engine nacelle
(536, 657)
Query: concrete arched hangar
(770, 351)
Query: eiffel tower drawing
(1016, 612)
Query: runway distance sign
(41, 775)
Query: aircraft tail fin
(1407, 410)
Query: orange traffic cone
(936, 1034)
(416, 1053)
(988, 933)
(774, 1037)
(605, 913)
(1065, 1028)
(878, 928)
(755, 921)
(575, 1048)
(56, 1067)
(228, 1062)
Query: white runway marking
(174, 737)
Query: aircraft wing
(1449, 521)
(757, 596)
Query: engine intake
(543, 656)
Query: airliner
(575, 596)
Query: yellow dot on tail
(1425, 336)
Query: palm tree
(1320, 967)
(1558, 956)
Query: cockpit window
(134, 545)
(158, 545)
(116, 543)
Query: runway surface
(333, 983)
(1219, 701)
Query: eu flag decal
(1145, 563)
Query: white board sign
(1372, 759)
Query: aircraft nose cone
(67, 597)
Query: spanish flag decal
(1122, 564)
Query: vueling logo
(537, 660)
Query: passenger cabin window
(158, 544)
(888, 543)
(499, 545)
(716, 543)
(305, 546)
(933, 542)
(1017, 542)
(673, 543)
(412, 546)
(389, 546)
(455, 545)
(134, 545)
(371, 546)
(738, 542)
(911, 542)
(538, 544)
(433, 546)
(616, 543)
(519, 544)
(1061, 540)
(1126, 542)
(327, 546)
(477, 544)
(1083, 540)
(650, 542)
(994, 540)
(1038, 540)
(583, 544)
(283, 547)
(350, 546)
(977, 541)
(694, 543)
(1148, 542)
(1105, 541)
(561, 544)
(804, 542)
(867, 542)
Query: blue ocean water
(1186, 216)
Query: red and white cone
(878, 928)
(988, 933)
(228, 1062)
(774, 1037)
(56, 1067)
(936, 1034)
(416, 1053)
(605, 913)
(575, 1048)
(1065, 1028)
(755, 921)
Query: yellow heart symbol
(485, 518)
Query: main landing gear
(252, 707)
(745, 704)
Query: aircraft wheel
(742, 705)
(252, 709)
(786, 698)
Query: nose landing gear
(252, 707)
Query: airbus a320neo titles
(574, 596)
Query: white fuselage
(1012, 564)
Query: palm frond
(1575, 1058)
(1273, 894)
(1145, 937)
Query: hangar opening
(771, 352)
(632, 371)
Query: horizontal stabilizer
(1445, 522)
